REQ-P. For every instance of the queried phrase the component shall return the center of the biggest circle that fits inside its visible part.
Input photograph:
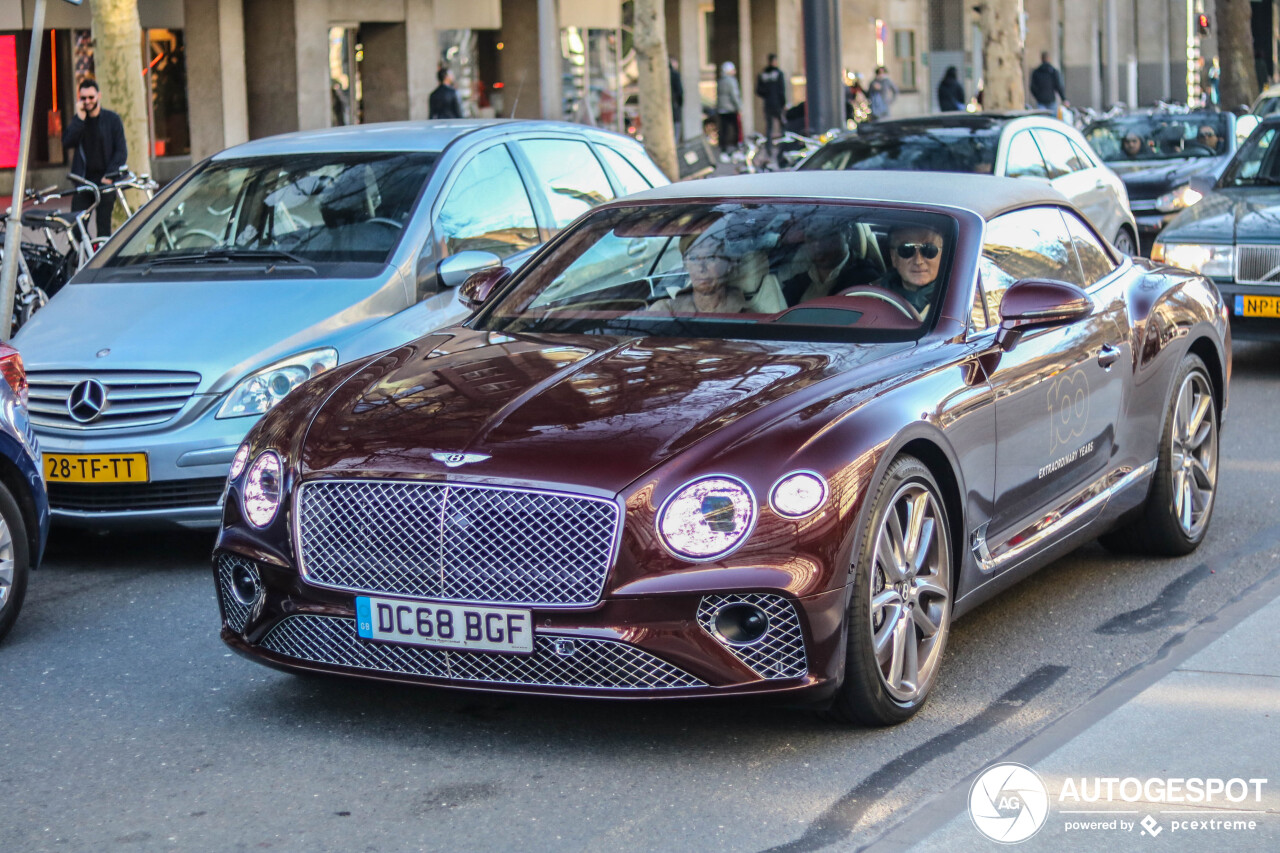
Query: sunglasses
(1209, 135)
(907, 251)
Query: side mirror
(476, 289)
(456, 269)
(1037, 303)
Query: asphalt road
(126, 725)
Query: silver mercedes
(268, 264)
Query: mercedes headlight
(707, 518)
(260, 391)
(799, 494)
(1198, 258)
(263, 489)
(1179, 199)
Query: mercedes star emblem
(87, 401)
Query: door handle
(1107, 356)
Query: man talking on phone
(101, 152)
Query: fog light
(741, 624)
(245, 585)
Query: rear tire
(899, 612)
(1125, 243)
(15, 560)
(1175, 517)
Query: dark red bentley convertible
(767, 434)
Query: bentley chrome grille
(780, 652)
(1258, 264)
(118, 398)
(592, 663)
(456, 542)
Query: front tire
(15, 561)
(1175, 517)
(899, 612)
(1125, 244)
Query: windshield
(1256, 163)
(1162, 136)
(935, 149)
(794, 271)
(1267, 106)
(306, 209)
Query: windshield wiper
(227, 254)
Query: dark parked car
(24, 510)
(764, 434)
(1233, 236)
(1170, 159)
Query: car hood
(591, 410)
(1240, 215)
(217, 328)
(1147, 179)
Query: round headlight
(796, 495)
(707, 518)
(263, 489)
(241, 459)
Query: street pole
(13, 228)
(825, 84)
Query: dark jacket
(950, 95)
(1045, 82)
(771, 86)
(110, 139)
(677, 93)
(444, 103)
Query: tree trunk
(1003, 83)
(654, 78)
(117, 66)
(1239, 81)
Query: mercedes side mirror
(456, 269)
(1037, 303)
(476, 289)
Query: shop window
(167, 78)
(904, 50)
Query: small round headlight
(241, 459)
(263, 489)
(707, 518)
(798, 494)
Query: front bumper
(634, 647)
(188, 465)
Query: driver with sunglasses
(916, 254)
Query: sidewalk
(1207, 709)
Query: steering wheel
(390, 223)
(1193, 145)
(884, 294)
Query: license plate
(444, 626)
(1257, 306)
(96, 468)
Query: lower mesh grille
(164, 494)
(237, 614)
(600, 664)
(780, 652)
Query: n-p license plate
(444, 626)
(1257, 306)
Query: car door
(1057, 395)
(1073, 178)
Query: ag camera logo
(1008, 803)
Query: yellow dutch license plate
(1258, 306)
(96, 468)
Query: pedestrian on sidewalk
(677, 99)
(1046, 85)
(97, 135)
(443, 101)
(881, 93)
(950, 93)
(728, 108)
(771, 87)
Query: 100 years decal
(1068, 418)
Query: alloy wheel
(7, 564)
(1194, 457)
(910, 592)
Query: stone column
(219, 118)
(682, 43)
(383, 72)
(423, 51)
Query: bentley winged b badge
(453, 460)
